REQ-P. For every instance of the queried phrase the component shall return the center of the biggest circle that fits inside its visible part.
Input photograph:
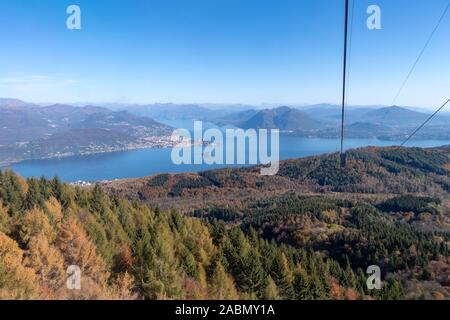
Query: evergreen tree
(221, 286)
(282, 276)
(33, 198)
(271, 291)
(252, 274)
(302, 286)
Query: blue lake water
(144, 162)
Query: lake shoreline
(136, 163)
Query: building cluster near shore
(84, 183)
(81, 183)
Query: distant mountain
(118, 118)
(22, 122)
(228, 113)
(333, 113)
(323, 121)
(359, 130)
(365, 126)
(236, 118)
(29, 131)
(171, 111)
(394, 115)
(283, 118)
(13, 103)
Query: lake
(144, 162)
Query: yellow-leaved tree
(5, 221)
(222, 286)
(79, 251)
(16, 280)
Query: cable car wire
(423, 124)
(420, 54)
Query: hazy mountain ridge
(283, 118)
(172, 111)
(232, 114)
(28, 131)
(323, 121)
(395, 116)
(32, 131)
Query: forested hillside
(312, 238)
(387, 206)
(369, 173)
(128, 250)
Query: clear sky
(224, 51)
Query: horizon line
(261, 105)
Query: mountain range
(29, 131)
(34, 131)
(172, 111)
(323, 121)
(283, 118)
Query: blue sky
(223, 51)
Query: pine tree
(12, 192)
(221, 285)
(318, 289)
(33, 198)
(16, 280)
(80, 251)
(5, 220)
(48, 264)
(271, 291)
(282, 276)
(123, 287)
(163, 277)
(44, 189)
(123, 260)
(54, 211)
(302, 286)
(252, 274)
(33, 223)
(394, 290)
(190, 265)
(350, 280)
(141, 253)
(62, 192)
(97, 201)
(163, 280)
